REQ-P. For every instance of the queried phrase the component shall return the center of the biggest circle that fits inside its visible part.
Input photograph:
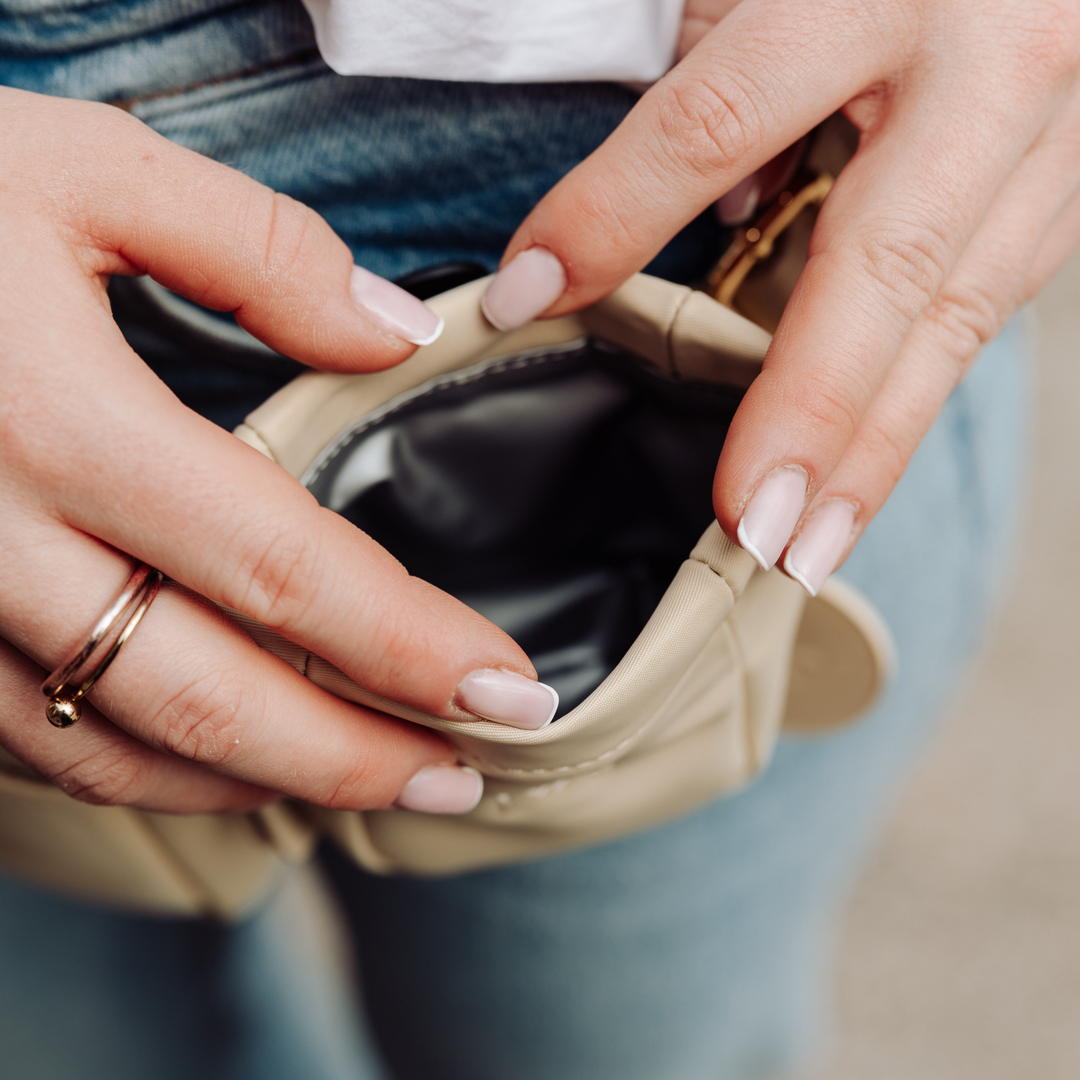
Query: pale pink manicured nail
(772, 513)
(442, 789)
(526, 286)
(393, 309)
(814, 555)
(739, 204)
(508, 698)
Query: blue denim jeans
(696, 950)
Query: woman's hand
(99, 459)
(959, 204)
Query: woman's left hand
(961, 201)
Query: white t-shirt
(499, 40)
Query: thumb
(227, 242)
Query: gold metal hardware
(755, 244)
(68, 685)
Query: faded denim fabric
(696, 950)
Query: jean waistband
(125, 52)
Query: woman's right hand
(102, 465)
(960, 202)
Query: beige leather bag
(729, 657)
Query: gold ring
(67, 685)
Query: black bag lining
(555, 491)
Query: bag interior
(555, 492)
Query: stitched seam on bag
(551, 770)
(580, 765)
(620, 746)
(511, 770)
(515, 363)
(669, 334)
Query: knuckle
(708, 122)
(832, 399)
(964, 322)
(888, 451)
(288, 234)
(364, 783)
(907, 266)
(204, 720)
(111, 776)
(282, 240)
(276, 575)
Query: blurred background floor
(960, 953)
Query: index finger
(158, 482)
(218, 517)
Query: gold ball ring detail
(71, 682)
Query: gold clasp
(755, 244)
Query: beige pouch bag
(694, 707)
(688, 710)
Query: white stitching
(515, 363)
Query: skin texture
(98, 458)
(958, 206)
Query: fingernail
(739, 204)
(442, 789)
(393, 309)
(508, 698)
(814, 555)
(772, 514)
(526, 286)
